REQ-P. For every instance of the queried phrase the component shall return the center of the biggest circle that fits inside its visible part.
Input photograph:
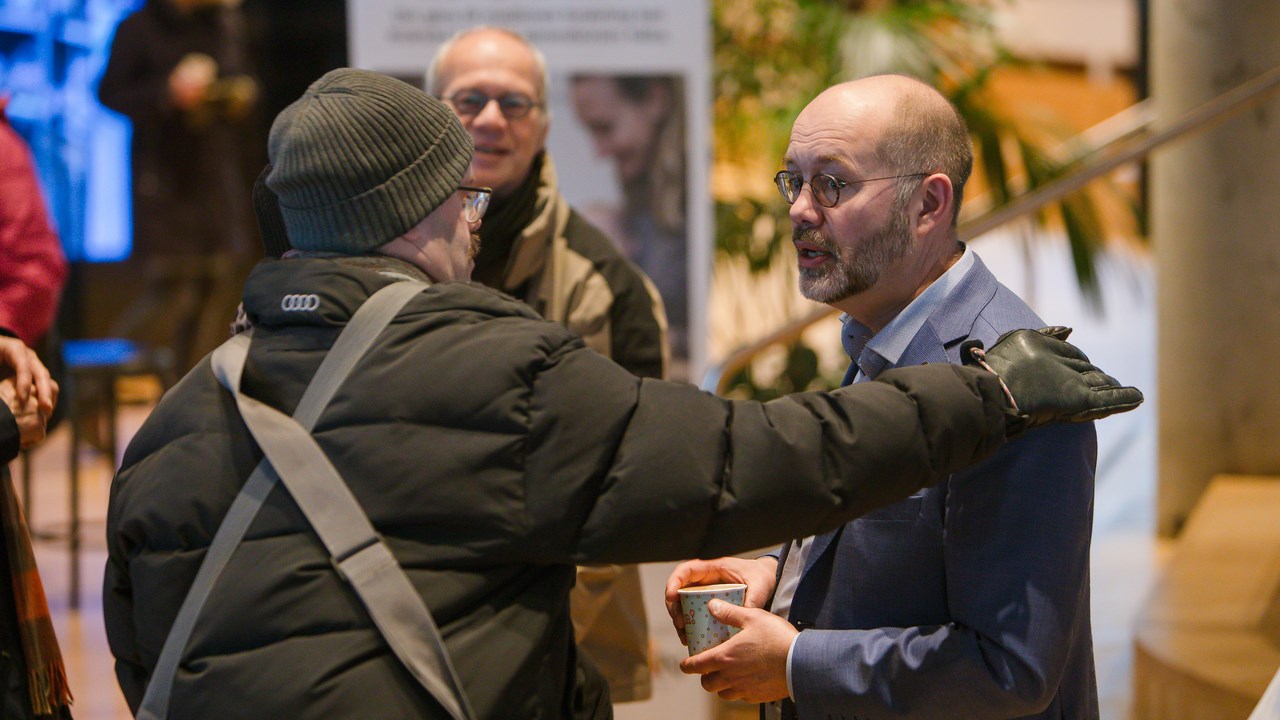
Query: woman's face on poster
(622, 128)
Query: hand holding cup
(702, 629)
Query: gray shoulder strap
(373, 572)
(358, 552)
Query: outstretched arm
(685, 474)
(677, 473)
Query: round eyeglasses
(513, 105)
(825, 188)
(475, 200)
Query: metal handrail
(719, 373)
(1125, 125)
(1126, 149)
(1100, 163)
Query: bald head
(912, 128)
(487, 45)
(868, 104)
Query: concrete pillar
(1215, 202)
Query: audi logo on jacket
(300, 303)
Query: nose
(805, 212)
(489, 116)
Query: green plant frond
(980, 77)
(771, 57)
(802, 367)
(1039, 167)
(974, 15)
(988, 131)
(1079, 214)
(742, 386)
(871, 46)
(752, 230)
(802, 372)
(1079, 219)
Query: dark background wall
(296, 41)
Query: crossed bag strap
(357, 551)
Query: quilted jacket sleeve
(685, 474)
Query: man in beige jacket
(536, 247)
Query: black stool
(92, 368)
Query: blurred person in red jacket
(32, 266)
(33, 680)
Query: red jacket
(32, 266)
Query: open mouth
(811, 255)
(489, 150)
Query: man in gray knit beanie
(366, 164)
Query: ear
(426, 245)
(542, 131)
(935, 210)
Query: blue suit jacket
(970, 599)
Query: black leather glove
(1049, 380)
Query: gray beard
(853, 270)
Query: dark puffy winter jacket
(493, 451)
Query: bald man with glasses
(969, 599)
(542, 251)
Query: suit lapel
(821, 543)
(952, 323)
(816, 576)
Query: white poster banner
(641, 175)
(1269, 706)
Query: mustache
(813, 237)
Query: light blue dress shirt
(870, 354)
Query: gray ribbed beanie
(360, 159)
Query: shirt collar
(872, 353)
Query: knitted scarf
(504, 222)
(46, 675)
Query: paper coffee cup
(701, 629)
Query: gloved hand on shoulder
(1049, 380)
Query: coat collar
(532, 246)
(952, 323)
